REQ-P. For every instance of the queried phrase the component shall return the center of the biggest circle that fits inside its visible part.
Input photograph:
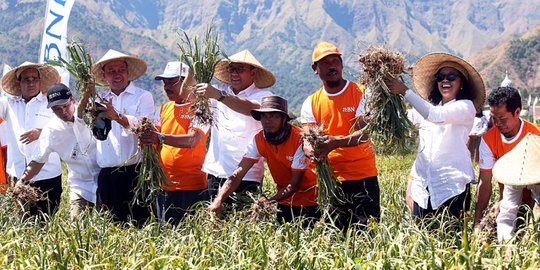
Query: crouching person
(68, 136)
(280, 143)
(518, 171)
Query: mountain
(280, 33)
(518, 57)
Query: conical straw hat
(263, 79)
(520, 166)
(424, 75)
(47, 75)
(136, 66)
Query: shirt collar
(130, 89)
(245, 92)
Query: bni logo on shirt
(289, 158)
(348, 109)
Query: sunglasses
(451, 76)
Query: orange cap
(323, 49)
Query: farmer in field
(4, 178)
(125, 104)
(68, 136)
(183, 147)
(26, 113)
(336, 106)
(280, 143)
(449, 92)
(518, 170)
(507, 131)
(244, 80)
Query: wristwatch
(161, 138)
(223, 94)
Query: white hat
(136, 66)
(520, 166)
(172, 70)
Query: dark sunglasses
(451, 76)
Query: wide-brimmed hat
(271, 104)
(424, 75)
(172, 70)
(47, 77)
(520, 166)
(323, 49)
(263, 79)
(136, 66)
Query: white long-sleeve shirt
(22, 117)
(77, 148)
(443, 165)
(120, 147)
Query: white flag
(54, 41)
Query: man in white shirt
(244, 79)
(118, 155)
(26, 113)
(69, 137)
(517, 170)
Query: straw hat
(263, 79)
(520, 166)
(136, 66)
(424, 75)
(271, 104)
(47, 75)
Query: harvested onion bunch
(25, 195)
(151, 174)
(385, 114)
(202, 62)
(330, 192)
(80, 67)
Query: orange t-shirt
(337, 113)
(283, 160)
(3, 179)
(182, 165)
(493, 139)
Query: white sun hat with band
(47, 77)
(427, 66)
(136, 66)
(520, 166)
(172, 70)
(263, 79)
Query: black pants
(362, 203)
(173, 205)
(115, 192)
(455, 206)
(52, 191)
(287, 213)
(214, 183)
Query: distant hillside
(280, 33)
(520, 57)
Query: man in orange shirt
(182, 144)
(337, 106)
(507, 131)
(280, 143)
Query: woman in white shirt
(449, 92)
